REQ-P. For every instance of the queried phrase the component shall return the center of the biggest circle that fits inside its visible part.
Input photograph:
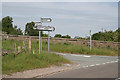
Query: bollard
(33, 51)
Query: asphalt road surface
(90, 66)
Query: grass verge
(21, 62)
(80, 49)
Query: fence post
(15, 47)
(24, 46)
(30, 45)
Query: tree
(30, 31)
(77, 37)
(106, 36)
(19, 31)
(44, 35)
(67, 36)
(7, 25)
(117, 35)
(58, 35)
(0, 25)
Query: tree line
(107, 35)
(9, 28)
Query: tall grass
(63, 47)
(21, 62)
(79, 49)
(24, 61)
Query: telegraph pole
(90, 41)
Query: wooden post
(24, 46)
(19, 49)
(30, 45)
(15, 47)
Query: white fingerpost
(39, 41)
(48, 41)
(40, 27)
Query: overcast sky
(72, 18)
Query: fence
(104, 44)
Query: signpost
(48, 40)
(40, 27)
(46, 20)
(44, 28)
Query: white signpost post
(38, 26)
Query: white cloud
(77, 17)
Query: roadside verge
(38, 73)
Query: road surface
(90, 66)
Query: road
(90, 66)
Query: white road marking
(78, 66)
(107, 62)
(75, 55)
(92, 65)
(61, 54)
(86, 56)
(112, 61)
(116, 61)
(85, 66)
(80, 55)
(103, 63)
(97, 64)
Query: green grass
(21, 62)
(79, 49)
(63, 47)
(24, 61)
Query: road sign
(44, 28)
(46, 19)
(38, 26)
